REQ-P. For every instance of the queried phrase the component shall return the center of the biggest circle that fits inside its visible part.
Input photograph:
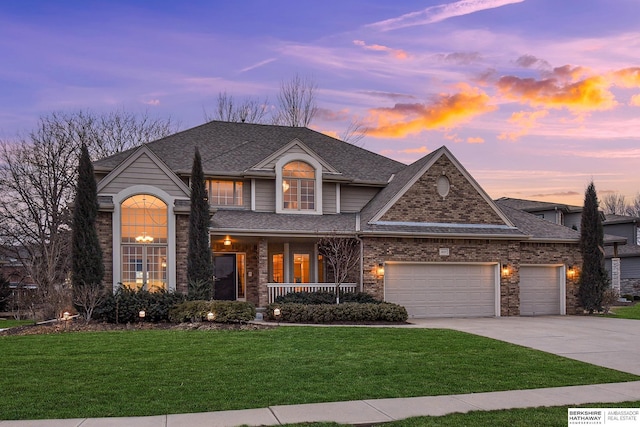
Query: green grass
(530, 417)
(11, 323)
(628, 312)
(133, 373)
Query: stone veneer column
(104, 226)
(263, 272)
(182, 247)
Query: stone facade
(104, 226)
(182, 249)
(381, 250)
(629, 286)
(422, 203)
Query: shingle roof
(534, 205)
(233, 148)
(537, 228)
(238, 221)
(620, 219)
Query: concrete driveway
(612, 343)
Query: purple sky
(535, 97)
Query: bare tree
(633, 209)
(342, 255)
(354, 132)
(37, 180)
(296, 102)
(248, 110)
(614, 204)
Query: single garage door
(540, 290)
(442, 290)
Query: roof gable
(293, 147)
(143, 165)
(415, 198)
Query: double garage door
(443, 290)
(469, 290)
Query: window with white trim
(298, 186)
(224, 193)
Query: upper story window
(144, 220)
(224, 193)
(298, 186)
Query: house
(431, 239)
(628, 256)
(622, 239)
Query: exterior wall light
(506, 270)
(380, 271)
(571, 272)
(227, 241)
(211, 316)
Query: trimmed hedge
(343, 312)
(224, 311)
(124, 306)
(322, 297)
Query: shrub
(322, 297)
(330, 313)
(125, 304)
(224, 311)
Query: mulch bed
(80, 326)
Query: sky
(536, 98)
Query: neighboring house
(431, 238)
(622, 239)
(629, 255)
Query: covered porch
(259, 269)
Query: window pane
(301, 268)
(225, 193)
(298, 186)
(132, 275)
(144, 220)
(277, 268)
(156, 268)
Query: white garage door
(540, 290)
(442, 290)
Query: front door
(225, 277)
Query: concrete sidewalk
(367, 411)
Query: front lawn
(150, 372)
(628, 312)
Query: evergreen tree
(87, 269)
(199, 264)
(593, 279)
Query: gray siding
(354, 198)
(143, 171)
(329, 198)
(630, 268)
(265, 195)
(622, 230)
(293, 150)
(573, 219)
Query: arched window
(144, 242)
(298, 186)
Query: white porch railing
(279, 289)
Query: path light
(277, 313)
(211, 316)
(66, 316)
(142, 314)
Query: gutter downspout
(361, 252)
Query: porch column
(263, 272)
